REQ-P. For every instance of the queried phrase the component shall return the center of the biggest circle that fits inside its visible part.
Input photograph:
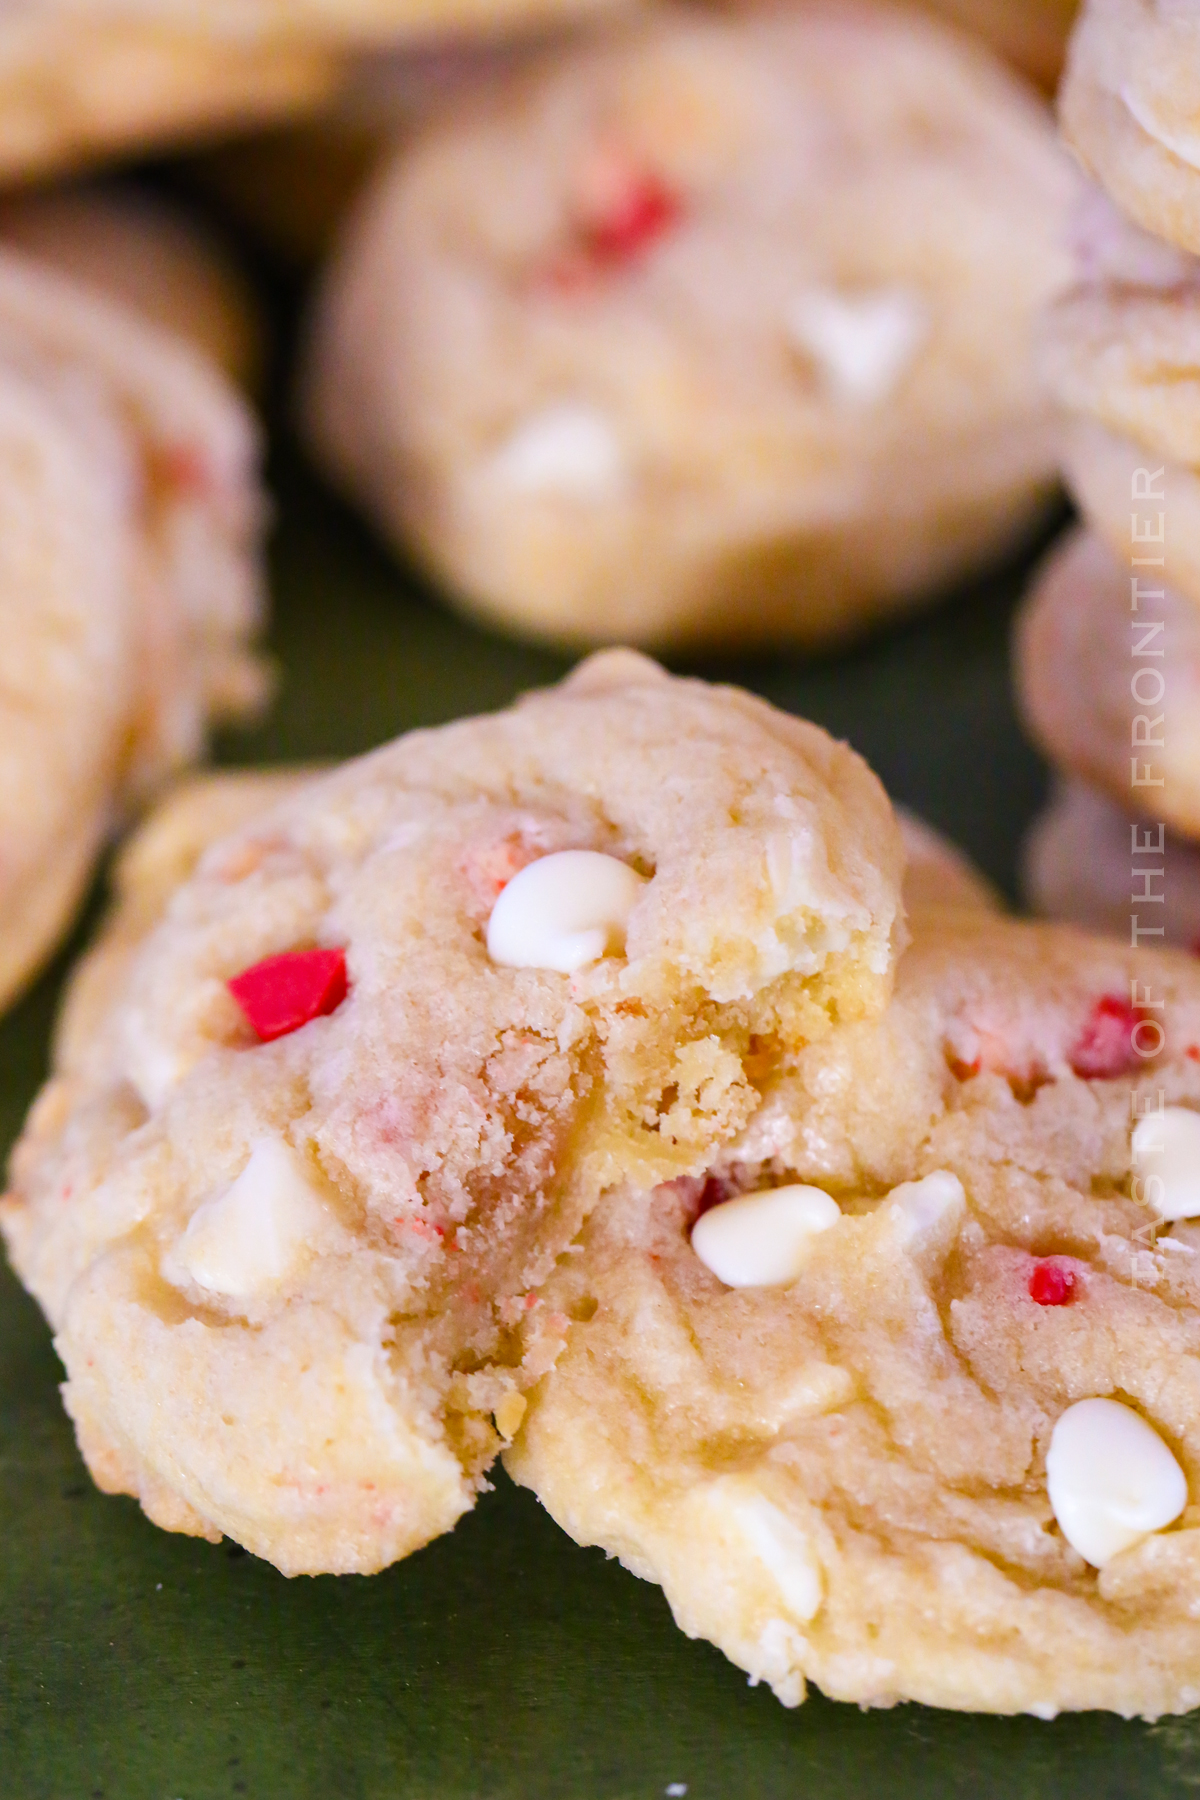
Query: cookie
(1089, 860)
(290, 1209)
(1130, 106)
(1108, 688)
(196, 448)
(66, 661)
(902, 1398)
(716, 332)
(152, 257)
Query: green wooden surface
(502, 1661)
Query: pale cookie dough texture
(152, 257)
(720, 331)
(1111, 694)
(842, 1480)
(1130, 106)
(82, 80)
(156, 859)
(1090, 860)
(293, 1282)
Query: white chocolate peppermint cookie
(1130, 106)
(903, 1397)
(291, 1197)
(718, 331)
(1108, 679)
(194, 447)
(1092, 861)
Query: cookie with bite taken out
(309, 1157)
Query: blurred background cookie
(718, 332)
(157, 259)
(1093, 706)
(67, 633)
(201, 512)
(1087, 859)
(83, 80)
(1130, 106)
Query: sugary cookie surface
(946, 1448)
(644, 347)
(294, 1276)
(1130, 106)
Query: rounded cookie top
(438, 1113)
(813, 1392)
(661, 323)
(1130, 105)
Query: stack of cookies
(1108, 651)
(557, 1085)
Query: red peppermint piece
(282, 993)
(1105, 1047)
(642, 210)
(1051, 1285)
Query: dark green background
(502, 1661)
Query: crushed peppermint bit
(183, 468)
(282, 993)
(1052, 1285)
(619, 210)
(640, 210)
(1105, 1048)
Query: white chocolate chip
(563, 911)
(251, 1236)
(862, 343)
(732, 1508)
(1111, 1479)
(1166, 1146)
(916, 1207)
(763, 1239)
(570, 451)
(1183, 144)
